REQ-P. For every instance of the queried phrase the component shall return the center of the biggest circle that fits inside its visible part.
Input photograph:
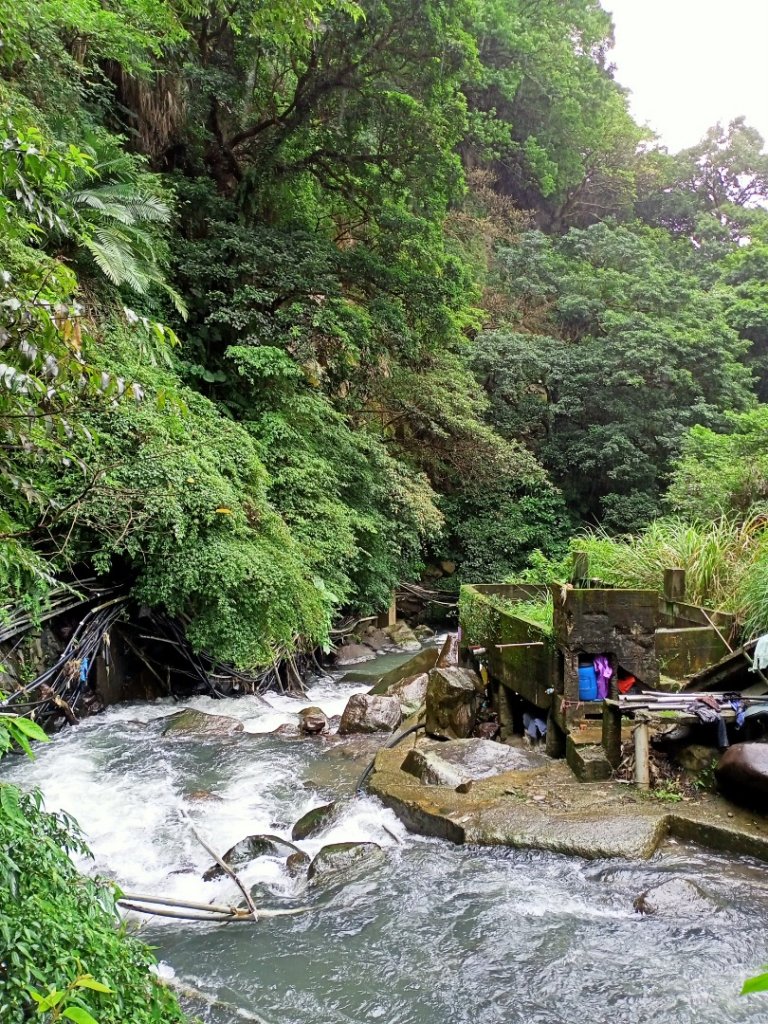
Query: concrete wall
(529, 670)
(683, 652)
(619, 623)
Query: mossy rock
(344, 859)
(249, 849)
(313, 821)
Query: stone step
(587, 761)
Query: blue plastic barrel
(587, 683)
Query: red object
(625, 685)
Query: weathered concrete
(620, 623)
(547, 808)
(587, 761)
(458, 761)
(683, 652)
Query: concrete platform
(546, 808)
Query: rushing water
(437, 934)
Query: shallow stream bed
(437, 934)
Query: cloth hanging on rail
(604, 672)
(760, 657)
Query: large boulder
(193, 723)
(742, 774)
(344, 859)
(367, 713)
(249, 849)
(312, 721)
(411, 693)
(353, 654)
(313, 821)
(453, 695)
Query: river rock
(677, 897)
(287, 731)
(367, 713)
(402, 636)
(411, 693)
(297, 864)
(449, 652)
(344, 859)
(196, 723)
(452, 700)
(313, 821)
(742, 773)
(423, 632)
(376, 639)
(249, 849)
(312, 721)
(696, 758)
(353, 654)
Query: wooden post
(389, 617)
(642, 762)
(674, 585)
(612, 732)
(580, 569)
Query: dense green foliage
(298, 296)
(60, 944)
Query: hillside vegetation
(298, 296)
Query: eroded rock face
(196, 723)
(313, 821)
(675, 898)
(344, 859)
(452, 700)
(353, 654)
(312, 721)
(249, 849)
(742, 774)
(369, 713)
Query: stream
(437, 934)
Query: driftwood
(222, 864)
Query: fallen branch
(222, 863)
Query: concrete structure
(658, 638)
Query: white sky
(691, 63)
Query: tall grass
(726, 562)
